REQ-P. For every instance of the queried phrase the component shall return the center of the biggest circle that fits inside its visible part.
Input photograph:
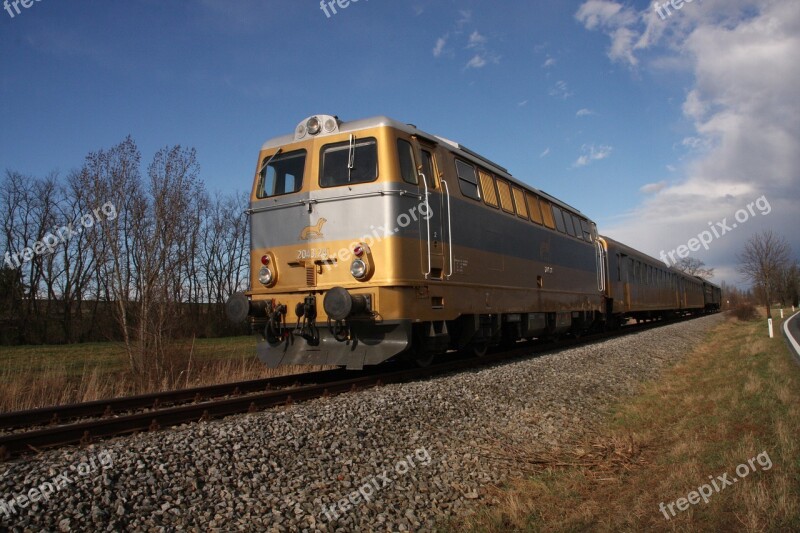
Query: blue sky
(651, 127)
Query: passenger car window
(406, 156)
(587, 231)
(283, 175)
(519, 203)
(504, 192)
(547, 214)
(569, 224)
(559, 218)
(576, 222)
(533, 208)
(467, 180)
(487, 189)
(341, 165)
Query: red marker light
(264, 260)
(358, 251)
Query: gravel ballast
(391, 459)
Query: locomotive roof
(462, 151)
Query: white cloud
(522, 103)
(615, 20)
(584, 112)
(592, 153)
(476, 40)
(744, 106)
(441, 42)
(464, 18)
(545, 153)
(549, 62)
(560, 90)
(652, 188)
(477, 61)
(696, 143)
(482, 55)
(598, 13)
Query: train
(372, 240)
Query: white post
(769, 322)
(781, 313)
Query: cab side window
(467, 180)
(406, 155)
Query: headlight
(358, 269)
(330, 125)
(313, 125)
(265, 276)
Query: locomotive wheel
(478, 349)
(424, 360)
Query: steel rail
(15, 444)
(111, 407)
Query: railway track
(205, 403)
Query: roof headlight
(330, 125)
(313, 126)
(358, 268)
(265, 276)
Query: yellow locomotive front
(336, 236)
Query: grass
(37, 376)
(736, 396)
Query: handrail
(428, 221)
(449, 228)
(601, 270)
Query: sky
(659, 124)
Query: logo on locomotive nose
(313, 232)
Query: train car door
(435, 238)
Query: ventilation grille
(311, 275)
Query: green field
(110, 357)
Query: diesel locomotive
(372, 240)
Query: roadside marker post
(769, 323)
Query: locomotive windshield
(349, 162)
(283, 174)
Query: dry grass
(735, 397)
(37, 376)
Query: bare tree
(175, 195)
(225, 249)
(27, 208)
(764, 256)
(694, 267)
(112, 177)
(790, 285)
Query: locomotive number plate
(313, 253)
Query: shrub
(745, 312)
